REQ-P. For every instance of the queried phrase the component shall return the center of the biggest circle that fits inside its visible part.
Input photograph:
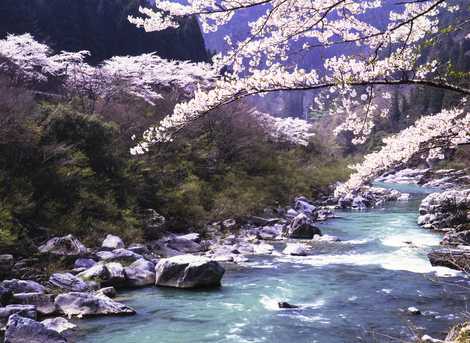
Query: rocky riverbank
(35, 309)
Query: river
(356, 290)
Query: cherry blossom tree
(385, 54)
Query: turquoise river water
(356, 290)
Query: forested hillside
(100, 26)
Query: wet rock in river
(188, 271)
(284, 304)
(23, 310)
(301, 228)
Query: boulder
(188, 271)
(112, 242)
(117, 276)
(183, 245)
(25, 330)
(64, 246)
(44, 303)
(60, 325)
(360, 203)
(304, 205)
(118, 255)
(88, 304)
(68, 282)
(23, 286)
(84, 263)
(110, 292)
(296, 249)
(271, 232)
(97, 273)
(143, 264)
(23, 310)
(139, 277)
(300, 228)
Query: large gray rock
(25, 330)
(60, 325)
(97, 273)
(23, 286)
(188, 271)
(304, 205)
(183, 245)
(117, 276)
(300, 228)
(143, 264)
(68, 282)
(112, 242)
(88, 304)
(118, 255)
(138, 277)
(44, 303)
(64, 246)
(23, 310)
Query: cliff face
(100, 26)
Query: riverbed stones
(22, 286)
(188, 271)
(44, 303)
(118, 255)
(64, 246)
(112, 242)
(89, 304)
(68, 282)
(300, 228)
(25, 330)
